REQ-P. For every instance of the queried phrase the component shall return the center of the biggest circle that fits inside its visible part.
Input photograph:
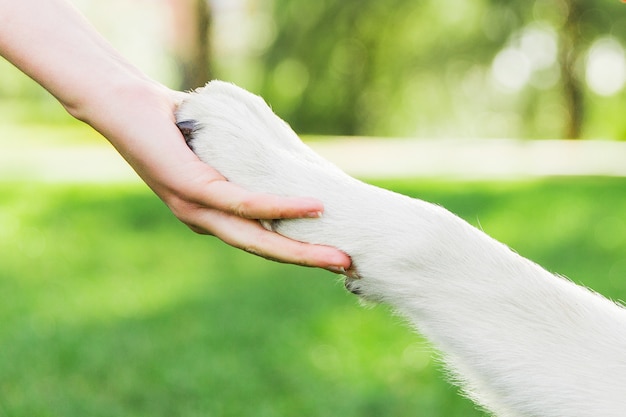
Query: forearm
(53, 43)
(44, 40)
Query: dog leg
(521, 341)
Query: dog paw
(237, 133)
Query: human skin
(54, 44)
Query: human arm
(52, 43)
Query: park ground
(111, 307)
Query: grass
(110, 307)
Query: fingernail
(337, 269)
(314, 214)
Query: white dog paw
(237, 133)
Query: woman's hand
(139, 122)
(51, 42)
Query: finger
(231, 198)
(250, 236)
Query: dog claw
(337, 269)
(187, 128)
(349, 284)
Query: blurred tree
(425, 68)
(570, 38)
(192, 41)
(579, 23)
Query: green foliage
(110, 307)
(388, 68)
(423, 68)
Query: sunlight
(511, 69)
(539, 44)
(532, 52)
(606, 67)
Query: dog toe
(352, 285)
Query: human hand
(52, 43)
(141, 126)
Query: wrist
(108, 95)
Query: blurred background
(111, 307)
(483, 68)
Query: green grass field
(110, 307)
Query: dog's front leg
(522, 341)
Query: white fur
(520, 341)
